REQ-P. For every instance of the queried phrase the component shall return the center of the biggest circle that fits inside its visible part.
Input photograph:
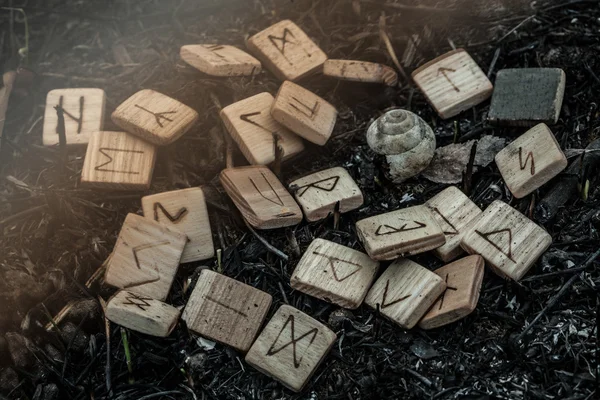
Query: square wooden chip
(220, 60)
(360, 71)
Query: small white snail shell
(405, 139)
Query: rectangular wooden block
(291, 347)
(142, 313)
(334, 273)
(118, 161)
(83, 114)
(286, 51)
(453, 211)
(226, 310)
(453, 83)
(220, 60)
(252, 127)
(360, 71)
(145, 258)
(260, 197)
(508, 241)
(463, 280)
(404, 292)
(185, 210)
(403, 232)
(304, 113)
(319, 192)
(530, 161)
(154, 117)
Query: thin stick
(125, 341)
(8, 80)
(62, 136)
(107, 369)
(388, 45)
(468, 175)
(268, 245)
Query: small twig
(220, 261)
(388, 45)
(62, 136)
(107, 369)
(336, 215)
(285, 299)
(468, 175)
(125, 341)
(8, 80)
(278, 150)
(268, 245)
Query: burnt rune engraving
(154, 277)
(447, 221)
(327, 184)
(310, 112)
(332, 260)
(384, 303)
(158, 116)
(104, 151)
(246, 118)
(225, 306)
(507, 231)
(294, 340)
(279, 200)
(385, 229)
(523, 164)
(68, 114)
(137, 301)
(448, 287)
(173, 218)
(214, 48)
(443, 71)
(283, 40)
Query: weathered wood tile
(291, 347)
(453, 211)
(404, 292)
(319, 192)
(252, 127)
(453, 83)
(304, 113)
(508, 241)
(220, 60)
(226, 310)
(260, 197)
(360, 71)
(118, 161)
(83, 114)
(186, 211)
(145, 258)
(531, 160)
(463, 280)
(142, 313)
(286, 51)
(154, 117)
(527, 96)
(334, 273)
(403, 232)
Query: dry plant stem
(468, 175)
(107, 369)
(388, 45)
(269, 246)
(62, 137)
(8, 79)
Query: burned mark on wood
(327, 184)
(104, 151)
(279, 200)
(331, 260)
(293, 340)
(173, 218)
(487, 235)
(385, 229)
(384, 303)
(309, 112)
(68, 114)
(523, 164)
(138, 301)
(158, 116)
(226, 306)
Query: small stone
(423, 350)
(75, 336)
(46, 392)
(87, 309)
(19, 348)
(338, 316)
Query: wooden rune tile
(319, 192)
(404, 292)
(145, 258)
(142, 313)
(403, 232)
(118, 161)
(260, 197)
(360, 71)
(453, 211)
(154, 117)
(453, 83)
(226, 310)
(531, 161)
(304, 113)
(509, 242)
(252, 127)
(286, 51)
(220, 60)
(83, 111)
(527, 96)
(291, 347)
(463, 280)
(334, 273)
(186, 211)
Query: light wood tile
(453, 83)
(291, 347)
(360, 71)
(220, 60)
(508, 241)
(226, 310)
(186, 211)
(334, 273)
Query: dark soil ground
(55, 235)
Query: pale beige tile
(220, 60)
(360, 71)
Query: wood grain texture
(260, 197)
(453, 211)
(453, 83)
(142, 313)
(154, 117)
(463, 280)
(403, 232)
(334, 273)
(83, 112)
(228, 311)
(319, 192)
(404, 292)
(530, 161)
(184, 210)
(220, 60)
(145, 258)
(291, 347)
(509, 242)
(304, 113)
(250, 124)
(118, 161)
(286, 51)
(360, 71)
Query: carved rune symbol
(384, 303)
(214, 48)
(448, 287)
(153, 277)
(310, 112)
(68, 114)
(385, 229)
(278, 202)
(246, 118)
(225, 306)
(331, 261)
(158, 116)
(443, 70)
(294, 340)
(454, 231)
(104, 151)
(523, 165)
(327, 184)
(173, 218)
(283, 40)
(138, 301)
(499, 234)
